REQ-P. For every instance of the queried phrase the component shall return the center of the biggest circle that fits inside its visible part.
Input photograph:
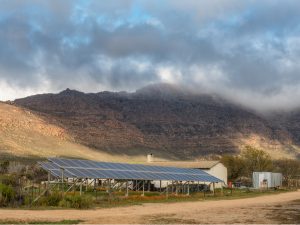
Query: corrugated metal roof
(203, 164)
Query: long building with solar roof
(77, 170)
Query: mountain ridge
(169, 122)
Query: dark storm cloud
(245, 47)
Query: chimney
(150, 157)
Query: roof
(75, 168)
(203, 164)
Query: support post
(48, 183)
(126, 194)
(188, 188)
(176, 188)
(160, 185)
(74, 185)
(214, 188)
(62, 181)
(149, 186)
(80, 187)
(167, 190)
(222, 190)
(143, 194)
(109, 188)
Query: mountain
(23, 133)
(166, 120)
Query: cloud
(240, 49)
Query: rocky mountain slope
(163, 119)
(23, 133)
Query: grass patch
(135, 198)
(170, 220)
(101, 199)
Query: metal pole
(126, 194)
(80, 187)
(109, 188)
(188, 188)
(48, 183)
(62, 181)
(74, 185)
(167, 191)
(214, 188)
(143, 188)
(160, 185)
(176, 188)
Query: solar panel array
(74, 168)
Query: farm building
(214, 168)
(75, 173)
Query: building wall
(219, 171)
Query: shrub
(77, 202)
(50, 200)
(4, 167)
(7, 194)
(9, 180)
(65, 203)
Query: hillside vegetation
(162, 119)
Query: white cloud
(239, 49)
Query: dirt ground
(278, 208)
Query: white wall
(218, 171)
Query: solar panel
(75, 168)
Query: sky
(247, 51)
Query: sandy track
(250, 210)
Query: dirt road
(279, 208)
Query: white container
(266, 180)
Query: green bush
(77, 202)
(9, 180)
(50, 200)
(7, 194)
(65, 203)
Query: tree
(288, 167)
(235, 166)
(256, 160)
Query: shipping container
(267, 180)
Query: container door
(261, 178)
